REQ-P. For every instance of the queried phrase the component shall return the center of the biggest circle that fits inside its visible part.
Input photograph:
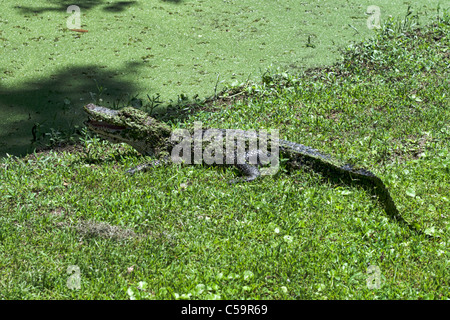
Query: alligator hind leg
(249, 171)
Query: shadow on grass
(56, 102)
(83, 4)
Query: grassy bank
(183, 232)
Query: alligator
(151, 137)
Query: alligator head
(131, 126)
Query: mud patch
(91, 228)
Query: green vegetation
(47, 72)
(182, 232)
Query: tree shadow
(38, 105)
(83, 4)
(119, 6)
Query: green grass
(183, 232)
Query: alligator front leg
(147, 166)
(248, 169)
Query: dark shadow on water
(56, 102)
(62, 6)
(119, 6)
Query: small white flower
(248, 275)
(131, 294)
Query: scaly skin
(151, 137)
